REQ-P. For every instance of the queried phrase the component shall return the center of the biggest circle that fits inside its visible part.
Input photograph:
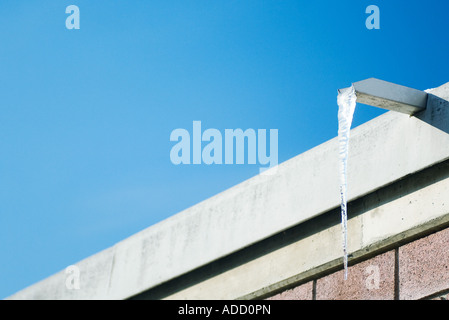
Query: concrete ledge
(390, 96)
(395, 214)
(382, 151)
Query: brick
(372, 279)
(424, 266)
(302, 292)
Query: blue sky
(86, 114)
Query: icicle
(346, 106)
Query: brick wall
(416, 270)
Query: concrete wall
(272, 232)
(379, 222)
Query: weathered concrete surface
(390, 96)
(400, 211)
(383, 150)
